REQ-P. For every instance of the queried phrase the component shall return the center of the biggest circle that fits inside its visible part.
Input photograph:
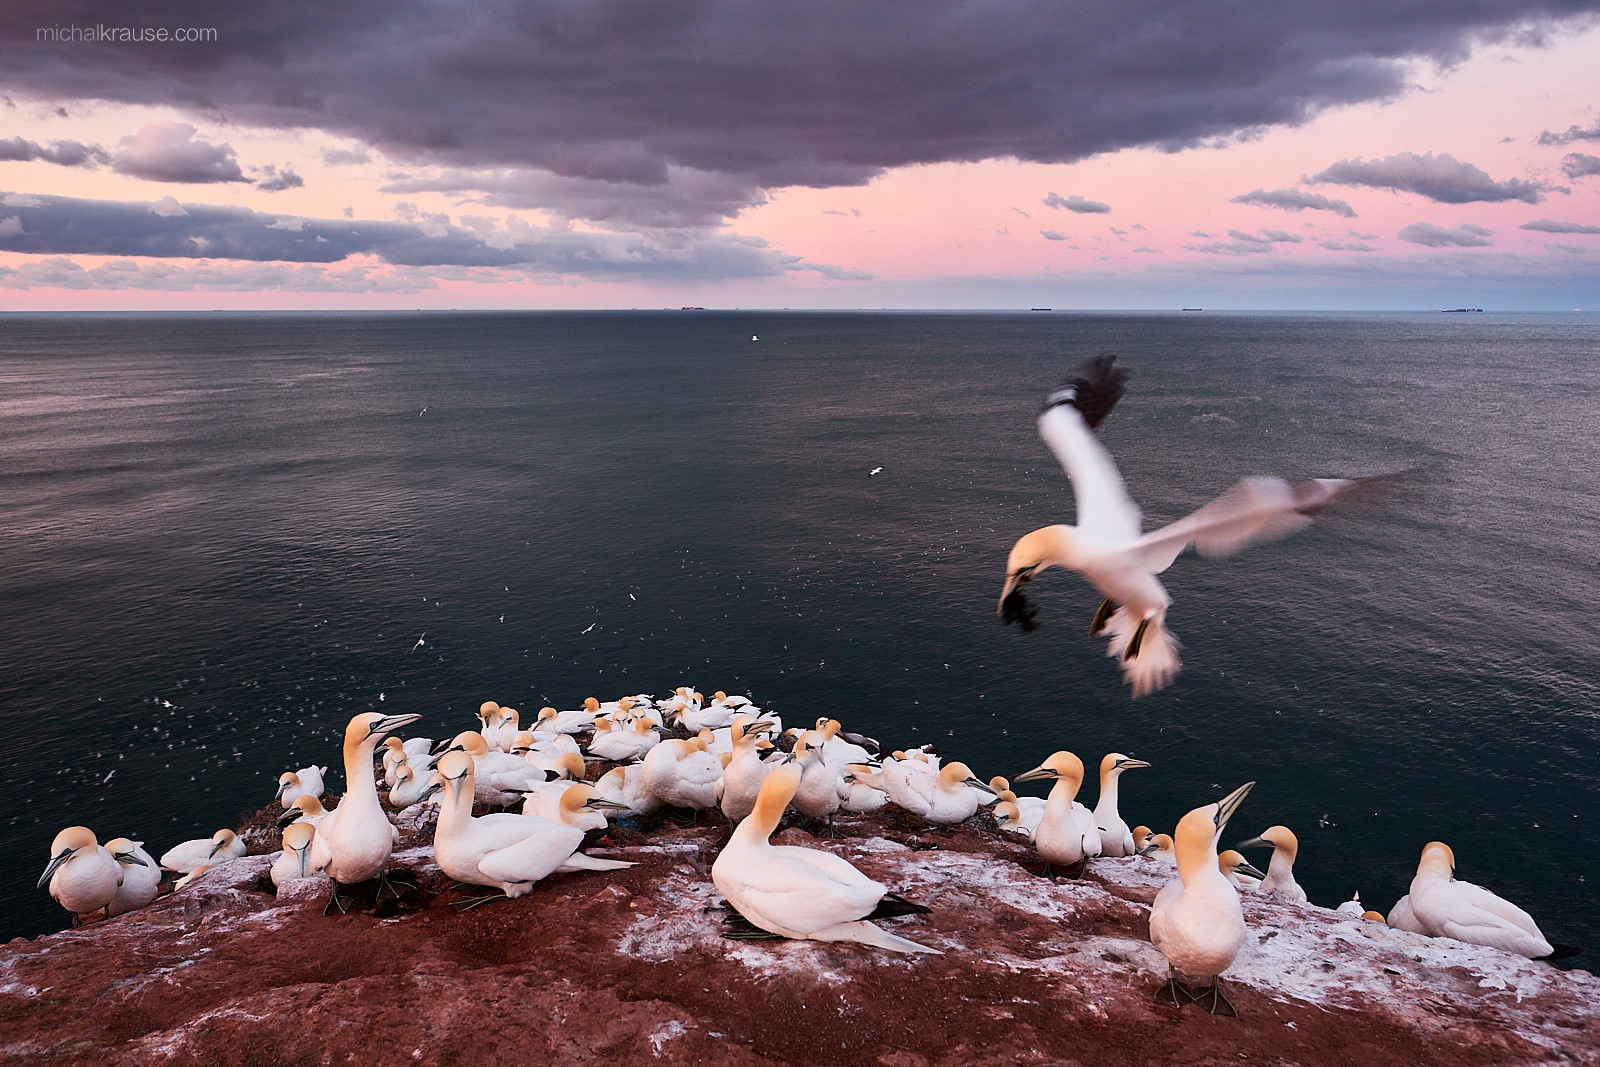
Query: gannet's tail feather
(1155, 663)
(869, 934)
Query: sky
(1369, 154)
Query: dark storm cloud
(64, 226)
(1578, 165)
(761, 94)
(61, 153)
(1465, 236)
(1295, 200)
(1444, 179)
(1077, 203)
(170, 152)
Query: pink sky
(1153, 229)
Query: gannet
(864, 789)
(1066, 833)
(837, 749)
(358, 834)
(682, 774)
(573, 803)
(1009, 817)
(296, 860)
(141, 876)
(822, 785)
(800, 892)
(1108, 547)
(500, 778)
(1116, 839)
(306, 809)
(744, 772)
(220, 847)
(1280, 871)
(408, 787)
(625, 786)
(1352, 907)
(1467, 912)
(1197, 921)
(505, 850)
(621, 744)
(1239, 872)
(1401, 917)
(307, 781)
(83, 876)
(551, 721)
(945, 796)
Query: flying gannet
(1108, 546)
(1197, 921)
(798, 892)
(359, 836)
(1447, 908)
(1280, 871)
(82, 875)
(1116, 839)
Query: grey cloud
(61, 272)
(55, 226)
(1443, 178)
(1052, 235)
(1551, 226)
(1334, 244)
(1245, 244)
(620, 93)
(1577, 165)
(342, 157)
(1295, 200)
(273, 180)
(1464, 236)
(61, 153)
(170, 152)
(1572, 133)
(1077, 203)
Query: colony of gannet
(722, 756)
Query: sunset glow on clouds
(629, 153)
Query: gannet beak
(279, 794)
(1128, 764)
(1255, 842)
(602, 802)
(1230, 804)
(56, 861)
(390, 723)
(129, 857)
(984, 786)
(1247, 868)
(218, 847)
(1034, 775)
(433, 787)
(288, 818)
(1148, 849)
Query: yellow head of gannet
(1280, 871)
(83, 876)
(1238, 870)
(1061, 766)
(591, 704)
(1374, 916)
(1196, 921)
(141, 876)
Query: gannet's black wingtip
(1561, 952)
(893, 904)
(1094, 389)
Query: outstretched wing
(1067, 426)
(1254, 511)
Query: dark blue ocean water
(224, 534)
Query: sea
(225, 534)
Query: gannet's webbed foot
(1214, 1000)
(1101, 616)
(386, 883)
(1136, 640)
(1079, 868)
(472, 902)
(335, 901)
(1170, 992)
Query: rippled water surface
(224, 535)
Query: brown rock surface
(632, 966)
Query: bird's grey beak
(605, 805)
(289, 818)
(218, 847)
(55, 862)
(1035, 775)
(433, 787)
(129, 857)
(1148, 849)
(281, 787)
(1230, 804)
(1247, 868)
(1129, 764)
(1255, 842)
(983, 786)
(390, 723)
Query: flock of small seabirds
(728, 754)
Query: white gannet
(83, 876)
(944, 797)
(499, 777)
(1468, 912)
(683, 774)
(141, 876)
(408, 787)
(1160, 848)
(1108, 547)
(625, 786)
(1239, 872)
(744, 772)
(299, 858)
(620, 743)
(1066, 833)
(551, 721)
(1280, 871)
(1352, 907)
(505, 850)
(220, 847)
(306, 809)
(1197, 921)
(359, 836)
(1401, 917)
(800, 892)
(1116, 839)
(573, 803)
(307, 781)
(864, 789)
